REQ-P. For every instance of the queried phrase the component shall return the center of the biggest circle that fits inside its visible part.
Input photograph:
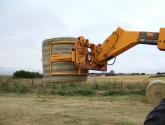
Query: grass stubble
(99, 101)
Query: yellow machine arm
(89, 56)
(122, 40)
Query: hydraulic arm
(87, 56)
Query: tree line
(26, 74)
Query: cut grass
(33, 109)
(99, 101)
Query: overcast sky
(24, 24)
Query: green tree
(26, 74)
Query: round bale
(63, 45)
(155, 91)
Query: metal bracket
(63, 58)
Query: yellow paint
(161, 40)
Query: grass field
(126, 79)
(72, 110)
(115, 100)
(135, 84)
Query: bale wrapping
(155, 91)
(59, 66)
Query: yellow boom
(88, 56)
